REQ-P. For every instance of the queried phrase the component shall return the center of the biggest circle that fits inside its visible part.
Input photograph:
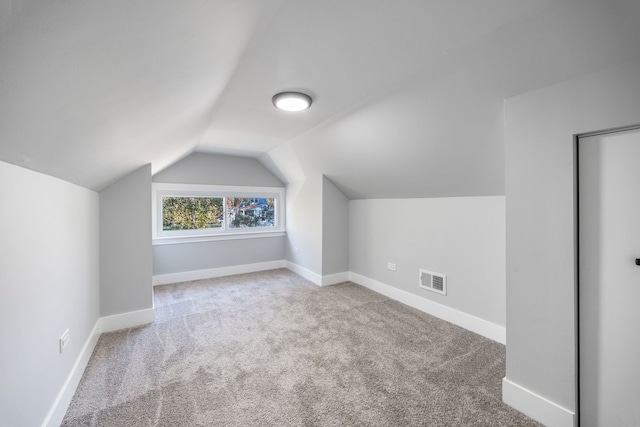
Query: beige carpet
(272, 349)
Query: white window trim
(161, 237)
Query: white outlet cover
(64, 340)
(391, 266)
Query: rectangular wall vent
(434, 282)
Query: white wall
(541, 262)
(49, 281)
(213, 169)
(125, 244)
(462, 237)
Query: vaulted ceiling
(408, 94)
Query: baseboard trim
(186, 276)
(330, 279)
(535, 406)
(333, 279)
(304, 272)
(61, 404)
(126, 320)
(475, 324)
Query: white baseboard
(319, 280)
(333, 279)
(126, 320)
(304, 272)
(186, 276)
(475, 324)
(59, 409)
(535, 406)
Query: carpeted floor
(272, 349)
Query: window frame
(162, 237)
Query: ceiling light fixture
(291, 101)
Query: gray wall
(541, 337)
(304, 223)
(169, 259)
(335, 229)
(462, 237)
(49, 281)
(125, 244)
(317, 226)
(212, 169)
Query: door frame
(576, 212)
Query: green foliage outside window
(191, 213)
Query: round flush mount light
(291, 101)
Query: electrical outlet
(64, 340)
(391, 266)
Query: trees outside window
(192, 213)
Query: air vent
(434, 282)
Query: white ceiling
(342, 53)
(408, 94)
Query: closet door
(609, 279)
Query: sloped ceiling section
(343, 53)
(408, 94)
(440, 134)
(91, 90)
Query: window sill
(211, 238)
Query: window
(189, 213)
(249, 213)
(192, 213)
